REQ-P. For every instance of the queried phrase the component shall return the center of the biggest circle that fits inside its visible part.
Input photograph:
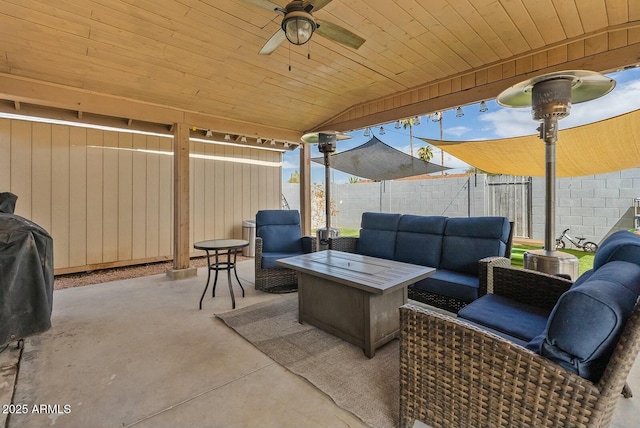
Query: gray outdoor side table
(217, 246)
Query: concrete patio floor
(139, 353)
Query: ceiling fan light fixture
(298, 24)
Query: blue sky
(498, 122)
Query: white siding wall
(106, 197)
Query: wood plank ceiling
(140, 59)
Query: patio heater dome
(326, 141)
(550, 97)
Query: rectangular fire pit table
(352, 296)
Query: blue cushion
(468, 240)
(452, 284)
(582, 278)
(507, 316)
(380, 221)
(510, 338)
(422, 224)
(585, 324)
(419, 240)
(376, 243)
(621, 245)
(378, 235)
(535, 344)
(479, 227)
(280, 231)
(269, 259)
(281, 238)
(277, 217)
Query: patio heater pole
(326, 146)
(548, 133)
(326, 141)
(550, 97)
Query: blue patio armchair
(279, 235)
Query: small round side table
(217, 246)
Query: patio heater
(326, 141)
(550, 97)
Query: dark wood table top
(220, 244)
(370, 274)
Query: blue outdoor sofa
(462, 249)
(538, 350)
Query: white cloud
(286, 164)
(514, 122)
(506, 123)
(623, 99)
(457, 131)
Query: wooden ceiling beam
(30, 91)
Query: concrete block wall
(591, 206)
(450, 197)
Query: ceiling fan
(298, 25)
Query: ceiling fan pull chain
(289, 57)
(308, 50)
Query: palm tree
(410, 123)
(425, 153)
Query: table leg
(236, 272)
(208, 277)
(233, 299)
(215, 278)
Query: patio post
(305, 188)
(181, 261)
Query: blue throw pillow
(584, 326)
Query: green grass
(585, 260)
(349, 232)
(343, 232)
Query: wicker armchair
(454, 374)
(282, 229)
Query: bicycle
(588, 246)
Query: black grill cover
(26, 274)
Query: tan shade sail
(600, 147)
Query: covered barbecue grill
(26, 274)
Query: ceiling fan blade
(273, 43)
(317, 4)
(339, 34)
(265, 4)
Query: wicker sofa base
(437, 300)
(280, 289)
(276, 280)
